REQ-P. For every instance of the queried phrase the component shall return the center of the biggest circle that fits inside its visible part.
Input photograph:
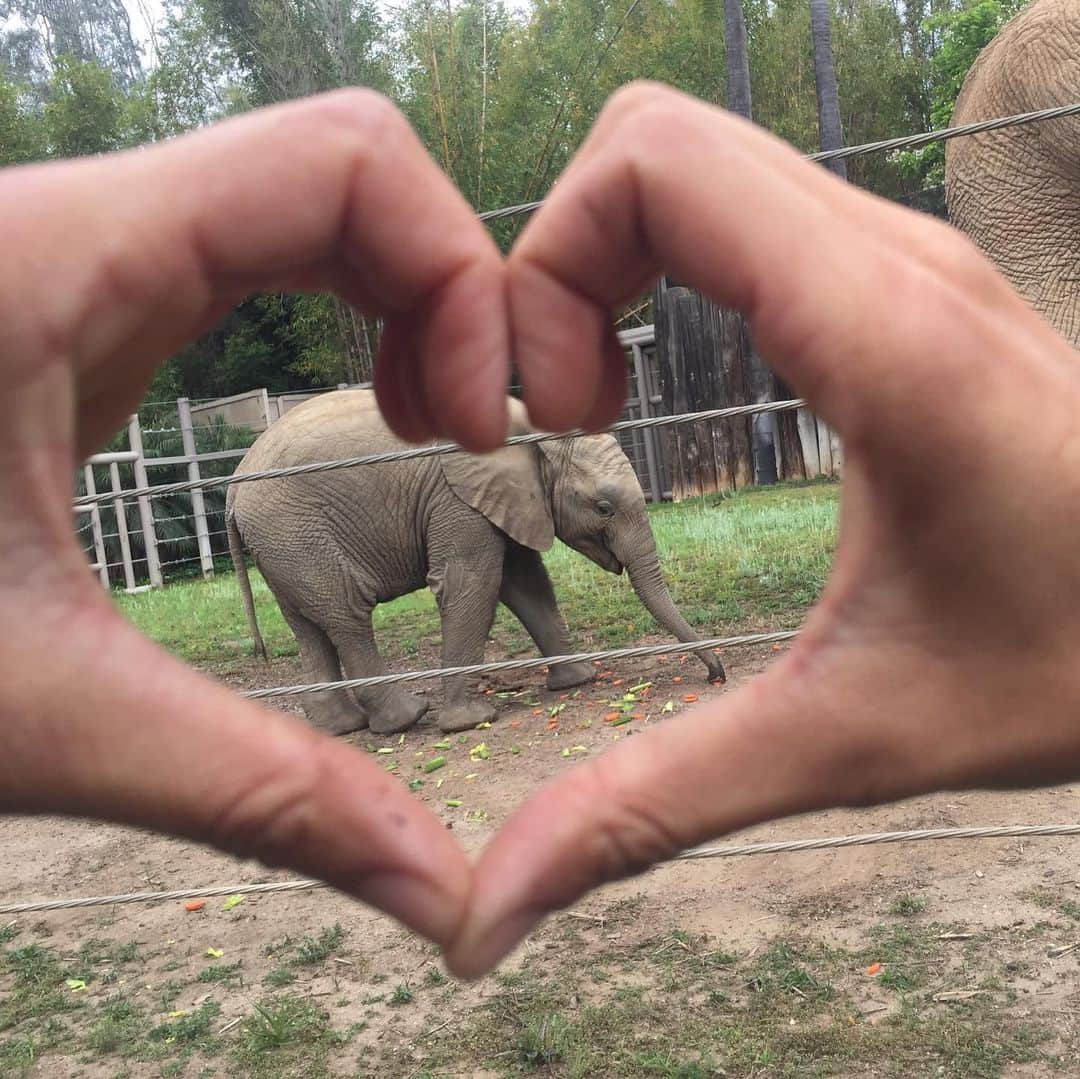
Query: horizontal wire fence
(637, 652)
(733, 850)
(903, 142)
(437, 449)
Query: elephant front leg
(527, 591)
(467, 595)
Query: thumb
(767, 750)
(102, 723)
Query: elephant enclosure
(743, 967)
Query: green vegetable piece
(415, 784)
(453, 802)
(434, 765)
(621, 720)
(444, 744)
(232, 902)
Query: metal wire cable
(903, 142)
(535, 663)
(435, 450)
(734, 850)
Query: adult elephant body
(1016, 192)
(332, 545)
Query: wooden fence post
(146, 511)
(95, 527)
(198, 503)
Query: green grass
(673, 1005)
(694, 1011)
(759, 557)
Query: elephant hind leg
(390, 708)
(333, 711)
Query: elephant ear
(506, 486)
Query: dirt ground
(1017, 901)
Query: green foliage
(193, 1028)
(85, 111)
(19, 135)
(501, 94)
(313, 950)
(961, 35)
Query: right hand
(943, 653)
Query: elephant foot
(397, 713)
(463, 717)
(565, 675)
(335, 713)
(717, 673)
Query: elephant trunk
(638, 556)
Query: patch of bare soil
(385, 989)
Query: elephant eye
(604, 508)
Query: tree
(36, 33)
(830, 130)
(963, 33)
(19, 133)
(85, 111)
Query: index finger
(119, 260)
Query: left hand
(109, 265)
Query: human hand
(109, 265)
(941, 654)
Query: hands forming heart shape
(939, 656)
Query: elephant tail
(236, 550)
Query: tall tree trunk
(737, 58)
(737, 65)
(830, 130)
(706, 359)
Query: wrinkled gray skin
(1016, 192)
(332, 545)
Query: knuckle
(630, 830)
(272, 814)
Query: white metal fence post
(121, 527)
(198, 504)
(95, 528)
(646, 412)
(146, 511)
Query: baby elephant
(332, 545)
